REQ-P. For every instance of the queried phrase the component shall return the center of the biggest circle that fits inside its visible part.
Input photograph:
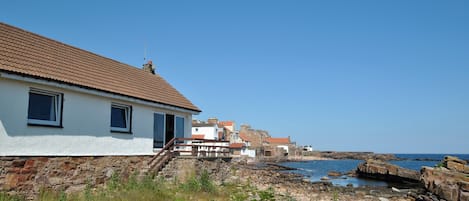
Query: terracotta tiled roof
(226, 123)
(203, 125)
(244, 137)
(272, 140)
(29, 54)
(237, 145)
(198, 136)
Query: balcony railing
(201, 148)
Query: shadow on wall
(3, 131)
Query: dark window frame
(169, 130)
(59, 103)
(128, 119)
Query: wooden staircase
(189, 147)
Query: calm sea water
(436, 157)
(314, 170)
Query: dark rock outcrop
(357, 155)
(456, 164)
(449, 181)
(334, 174)
(275, 166)
(388, 172)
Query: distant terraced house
(59, 100)
(277, 146)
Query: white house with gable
(59, 100)
(241, 144)
(207, 131)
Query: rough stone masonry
(27, 175)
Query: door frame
(165, 127)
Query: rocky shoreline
(272, 176)
(432, 184)
(448, 181)
(333, 155)
(287, 185)
(337, 155)
(357, 155)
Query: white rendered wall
(210, 132)
(284, 147)
(86, 125)
(248, 152)
(230, 128)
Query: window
(179, 127)
(121, 118)
(158, 130)
(45, 108)
(166, 127)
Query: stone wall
(255, 136)
(27, 175)
(182, 168)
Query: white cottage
(59, 100)
(207, 131)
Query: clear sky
(385, 76)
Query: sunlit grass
(199, 187)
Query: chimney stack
(212, 120)
(245, 127)
(149, 67)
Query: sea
(314, 170)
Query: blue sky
(382, 76)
